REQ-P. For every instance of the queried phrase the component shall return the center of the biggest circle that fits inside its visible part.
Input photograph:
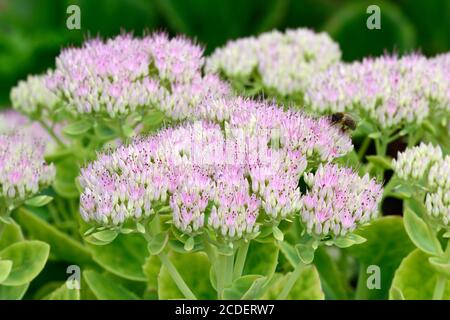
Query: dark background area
(32, 32)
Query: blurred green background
(33, 31)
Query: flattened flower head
(338, 201)
(209, 180)
(124, 74)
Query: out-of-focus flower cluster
(388, 90)
(23, 171)
(12, 122)
(338, 201)
(285, 62)
(253, 166)
(32, 98)
(426, 164)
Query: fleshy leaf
(5, 269)
(77, 128)
(416, 278)
(420, 234)
(28, 258)
(124, 257)
(105, 289)
(38, 201)
(307, 286)
(158, 243)
(64, 293)
(241, 286)
(258, 252)
(387, 244)
(63, 246)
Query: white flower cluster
(428, 165)
(33, 98)
(414, 162)
(284, 61)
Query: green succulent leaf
(5, 269)
(332, 277)
(63, 246)
(440, 265)
(277, 233)
(307, 286)
(105, 288)
(158, 243)
(28, 259)
(416, 278)
(78, 128)
(123, 257)
(38, 201)
(244, 287)
(64, 293)
(189, 244)
(11, 233)
(13, 293)
(420, 233)
(257, 252)
(387, 244)
(103, 237)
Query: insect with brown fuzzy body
(344, 120)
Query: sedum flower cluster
(23, 171)
(390, 91)
(283, 62)
(32, 98)
(193, 168)
(426, 164)
(338, 201)
(413, 163)
(225, 180)
(123, 75)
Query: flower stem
(291, 281)
(439, 288)
(363, 148)
(52, 133)
(441, 281)
(224, 272)
(240, 260)
(176, 277)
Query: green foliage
(62, 246)
(28, 259)
(307, 286)
(387, 244)
(415, 279)
(262, 259)
(195, 276)
(64, 293)
(105, 288)
(124, 257)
